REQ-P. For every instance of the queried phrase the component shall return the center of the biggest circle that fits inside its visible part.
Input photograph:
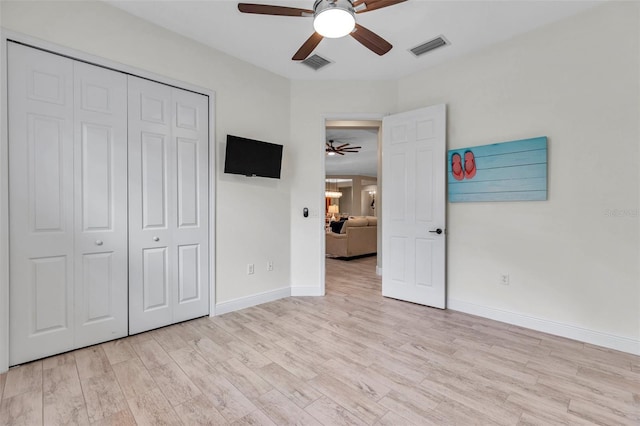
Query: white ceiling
(363, 163)
(270, 41)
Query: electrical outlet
(269, 266)
(504, 279)
(250, 268)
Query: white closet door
(40, 94)
(191, 204)
(68, 204)
(168, 202)
(100, 204)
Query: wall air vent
(316, 62)
(437, 42)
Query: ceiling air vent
(429, 46)
(316, 62)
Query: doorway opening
(352, 191)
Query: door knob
(98, 242)
(156, 238)
(437, 231)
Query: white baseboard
(253, 300)
(610, 341)
(306, 291)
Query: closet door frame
(11, 36)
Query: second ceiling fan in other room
(331, 149)
(332, 19)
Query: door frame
(7, 36)
(322, 177)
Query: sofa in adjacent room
(357, 236)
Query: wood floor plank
(24, 408)
(600, 414)
(118, 351)
(152, 408)
(63, 400)
(23, 379)
(92, 361)
(545, 418)
(151, 354)
(58, 360)
(255, 418)
(410, 407)
(247, 354)
(225, 397)
(284, 412)
(393, 419)
(243, 378)
(199, 411)
(292, 363)
(169, 338)
(291, 386)
(210, 350)
(133, 378)
(3, 379)
(328, 412)
(358, 403)
(192, 363)
(103, 397)
(174, 383)
(356, 377)
(121, 418)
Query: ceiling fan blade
(343, 145)
(308, 46)
(371, 40)
(266, 9)
(351, 147)
(370, 5)
(338, 152)
(329, 145)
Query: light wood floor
(351, 357)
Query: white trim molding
(569, 331)
(253, 300)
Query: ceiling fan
(331, 19)
(331, 149)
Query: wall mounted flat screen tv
(250, 157)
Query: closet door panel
(40, 96)
(151, 167)
(168, 205)
(191, 233)
(100, 204)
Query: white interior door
(100, 255)
(191, 204)
(40, 203)
(413, 211)
(168, 205)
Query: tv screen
(250, 157)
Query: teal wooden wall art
(508, 171)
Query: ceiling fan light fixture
(333, 18)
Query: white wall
(311, 103)
(572, 260)
(252, 214)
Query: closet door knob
(98, 242)
(156, 238)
